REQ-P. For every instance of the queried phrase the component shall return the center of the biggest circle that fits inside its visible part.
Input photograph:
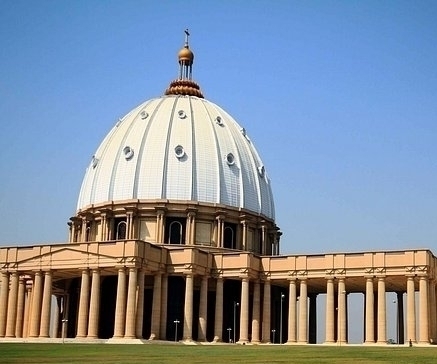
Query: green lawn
(211, 354)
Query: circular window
(230, 159)
(94, 161)
(144, 115)
(128, 153)
(261, 171)
(182, 114)
(219, 120)
(243, 131)
(179, 151)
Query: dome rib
(118, 160)
(140, 164)
(193, 158)
(166, 150)
(218, 170)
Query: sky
(339, 97)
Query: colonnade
(25, 309)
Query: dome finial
(186, 58)
(184, 85)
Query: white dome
(178, 147)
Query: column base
(423, 343)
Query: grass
(214, 354)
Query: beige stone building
(175, 239)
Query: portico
(209, 282)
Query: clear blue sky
(340, 98)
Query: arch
(175, 233)
(229, 235)
(121, 229)
(175, 228)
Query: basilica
(174, 238)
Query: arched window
(175, 230)
(120, 233)
(175, 233)
(88, 232)
(229, 241)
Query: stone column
(244, 239)
(303, 313)
(20, 307)
(104, 228)
(188, 308)
(46, 305)
(190, 232)
(411, 310)
(12, 305)
(292, 299)
(256, 312)
(342, 328)
(218, 324)
(423, 311)
(131, 304)
(35, 319)
(164, 298)
(263, 240)
(220, 231)
(432, 311)
(130, 222)
(330, 312)
(156, 307)
(83, 230)
(370, 318)
(84, 301)
(120, 305)
(93, 322)
(203, 306)
(382, 320)
(4, 293)
(160, 226)
(139, 315)
(244, 313)
(27, 306)
(266, 313)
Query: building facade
(174, 238)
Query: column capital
(216, 273)
(131, 210)
(191, 211)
